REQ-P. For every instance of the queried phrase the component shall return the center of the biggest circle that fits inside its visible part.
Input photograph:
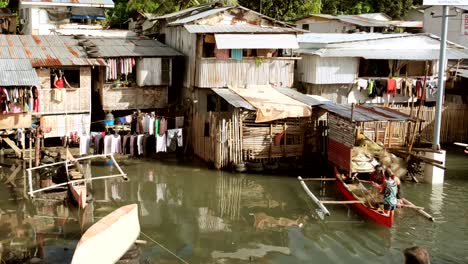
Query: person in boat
(416, 255)
(389, 189)
(399, 194)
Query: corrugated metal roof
(183, 12)
(328, 38)
(128, 47)
(256, 41)
(303, 98)
(197, 16)
(388, 54)
(363, 21)
(94, 3)
(233, 99)
(365, 113)
(46, 51)
(239, 28)
(17, 72)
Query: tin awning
(232, 98)
(256, 41)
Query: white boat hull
(107, 240)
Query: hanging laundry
(177, 134)
(116, 144)
(370, 88)
(97, 140)
(140, 144)
(108, 144)
(134, 145)
(162, 126)
(84, 144)
(151, 125)
(391, 86)
(362, 84)
(126, 144)
(161, 143)
(380, 87)
(146, 123)
(157, 123)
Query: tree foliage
(285, 10)
(123, 9)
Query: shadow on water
(208, 216)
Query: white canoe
(108, 239)
(78, 192)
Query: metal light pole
(441, 81)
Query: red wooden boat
(375, 215)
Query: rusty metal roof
(238, 28)
(233, 99)
(366, 113)
(84, 3)
(303, 98)
(127, 47)
(46, 51)
(17, 72)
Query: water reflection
(207, 216)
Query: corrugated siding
(180, 39)
(213, 73)
(339, 154)
(150, 71)
(317, 70)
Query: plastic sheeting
(271, 104)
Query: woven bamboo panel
(134, 98)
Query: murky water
(207, 216)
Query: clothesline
(156, 116)
(403, 77)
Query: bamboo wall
(454, 126)
(235, 137)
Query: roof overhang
(256, 41)
(106, 5)
(388, 54)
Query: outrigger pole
(66, 162)
(315, 199)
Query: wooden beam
(312, 196)
(13, 146)
(319, 179)
(342, 202)
(421, 211)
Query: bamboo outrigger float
(76, 186)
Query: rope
(163, 247)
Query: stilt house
(232, 46)
(342, 67)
